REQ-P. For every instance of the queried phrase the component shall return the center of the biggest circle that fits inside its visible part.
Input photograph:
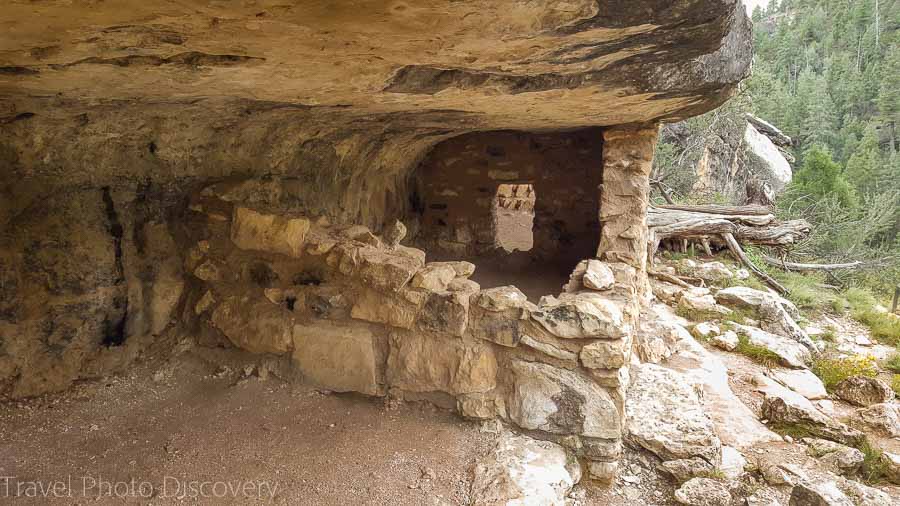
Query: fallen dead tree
(794, 266)
(729, 226)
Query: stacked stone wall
(458, 187)
(362, 313)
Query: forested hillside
(827, 73)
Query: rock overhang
(490, 65)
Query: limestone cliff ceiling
(526, 64)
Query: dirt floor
(534, 279)
(192, 429)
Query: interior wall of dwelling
(456, 193)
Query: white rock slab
(521, 471)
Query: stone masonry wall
(358, 312)
(458, 182)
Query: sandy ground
(155, 436)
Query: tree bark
(739, 254)
(793, 266)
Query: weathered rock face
(745, 161)
(525, 472)
(665, 415)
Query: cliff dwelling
(328, 188)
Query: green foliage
(883, 326)
(828, 74)
(821, 177)
(834, 370)
(893, 364)
(741, 315)
(795, 430)
(696, 315)
(828, 335)
(874, 466)
(895, 384)
(864, 166)
(756, 353)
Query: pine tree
(864, 167)
(820, 177)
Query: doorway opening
(513, 217)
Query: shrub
(756, 353)
(883, 326)
(834, 370)
(874, 466)
(893, 363)
(829, 335)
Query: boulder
(446, 312)
(776, 471)
(361, 233)
(550, 349)
(777, 314)
(883, 417)
(862, 495)
(582, 315)
(705, 330)
(733, 463)
(685, 469)
(434, 277)
(703, 492)
(461, 268)
(819, 494)
(712, 271)
(482, 406)
(420, 362)
(413, 254)
(251, 230)
(560, 401)
(727, 341)
(464, 285)
(790, 353)
(802, 381)
(864, 391)
(337, 357)
(397, 309)
(658, 333)
(394, 233)
(254, 324)
(499, 315)
(786, 408)
(592, 274)
(384, 270)
(735, 424)
(844, 459)
(666, 292)
(665, 415)
(892, 466)
(611, 354)
(598, 276)
(699, 299)
(521, 471)
(772, 168)
(826, 489)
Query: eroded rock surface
(665, 415)
(521, 471)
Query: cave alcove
(472, 188)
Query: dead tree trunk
(731, 225)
